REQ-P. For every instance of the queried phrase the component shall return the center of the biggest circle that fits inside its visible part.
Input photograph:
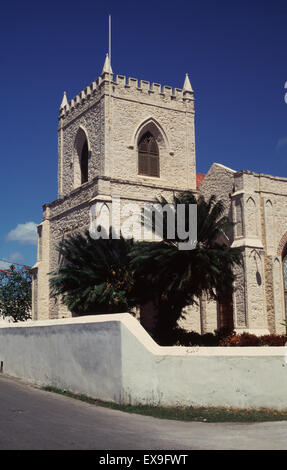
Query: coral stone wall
(257, 204)
(170, 118)
(112, 115)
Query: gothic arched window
(148, 156)
(84, 163)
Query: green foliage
(110, 275)
(16, 293)
(184, 413)
(174, 278)
(94, 276)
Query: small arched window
(148, 156)
(85, 163)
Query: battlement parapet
(144, 86)
(80, 99)
(136, 86)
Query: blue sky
(234, 51)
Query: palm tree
(114, 275)
(94, 276)
(174, 278)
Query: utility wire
(14, 264)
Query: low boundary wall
(112, 358)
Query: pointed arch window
(148, 156)
(84, 163)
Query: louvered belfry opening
(84, 163)
(148, 156)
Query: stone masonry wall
(135, 110)
(113, 115)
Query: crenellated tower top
(101, 127)
(129, 88)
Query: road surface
(31, 418)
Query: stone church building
(129, 138)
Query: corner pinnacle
(187, 85)
(64, 101)
(107, 65)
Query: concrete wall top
(134, 327)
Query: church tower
(117, 137)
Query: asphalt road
(33, 419)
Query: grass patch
(202, 414)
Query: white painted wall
(111, 357)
